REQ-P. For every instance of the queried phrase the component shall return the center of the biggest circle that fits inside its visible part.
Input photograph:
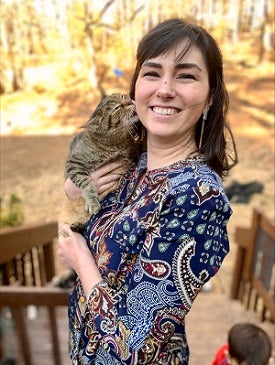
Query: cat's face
(115, 115)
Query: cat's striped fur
(111, 133)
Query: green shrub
(11, 212)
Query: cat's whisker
(134, 135)
(133, 129)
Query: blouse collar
(142, 165)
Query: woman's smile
(164, 110)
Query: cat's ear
(96, 112)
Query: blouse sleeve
(196, 239)
(186, 242)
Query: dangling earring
(204, 117)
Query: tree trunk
(263, 34)
(13, 30)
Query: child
(247, 345)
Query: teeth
(164, 111)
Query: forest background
(57, 56)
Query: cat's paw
(77, 227)
(93, 208)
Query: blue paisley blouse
(155, 247)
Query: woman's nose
(165, 89)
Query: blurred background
(58, 56)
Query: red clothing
(221, 356)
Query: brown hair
(163, 38)
(249, 344)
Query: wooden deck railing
(27, 268)
(254, 272)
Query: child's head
(249, 344)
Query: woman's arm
(73, 250)
(75, 254)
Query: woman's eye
(151, 74)
(187, 76)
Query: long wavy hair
(218, 145)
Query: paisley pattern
(155, 247)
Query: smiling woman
(161, 235)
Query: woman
(162, 234)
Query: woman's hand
(72, 246)
(106, 176)
(103, 178)
(75, 254)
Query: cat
(113, 132)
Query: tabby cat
(112, 133)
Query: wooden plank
(21, 239)
(23, 338)
(26, 295)
(248, 263)
(242, 237)
(261, 291)
(54, 335)
(235, 292)
(268, 226)
(49, 262)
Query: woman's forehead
(181, 53)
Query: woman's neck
(162, 156)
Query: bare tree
(14, 32)
(22, 34)
(91, 22)
(265, 33)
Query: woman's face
(171, 95)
